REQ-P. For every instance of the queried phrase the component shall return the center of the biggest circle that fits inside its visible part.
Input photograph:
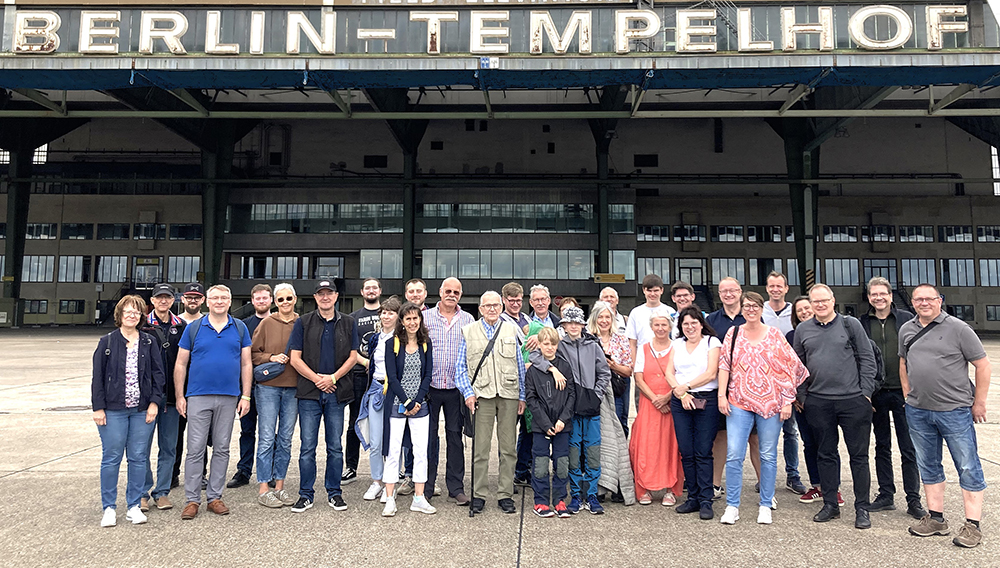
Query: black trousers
(854, 417)
(890, 401)
(352, 450)
(248, 438)
(451, 402)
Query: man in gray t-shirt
(935, 350)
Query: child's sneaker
(574, 505)
(562, 510)
(594, 505)
(544, 511)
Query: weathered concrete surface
(49, 461)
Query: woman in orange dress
(656, 459)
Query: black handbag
(618, 384)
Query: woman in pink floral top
(757, 383)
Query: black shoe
(272, 484)
(706, 513)
(477, 505)
(238, 480)
(349, 476)
(337, 502)
(827, 513)
(688, 506)
(862, 520)
(915, 510)
(882, 503)
(602, 497)
(204, 482)
(617, 497)
(522, 481)
(516, 490)
(756, 487)
(507, 506)
(302, 505)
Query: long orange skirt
(656, 460)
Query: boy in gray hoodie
(591, 378)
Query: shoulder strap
(195, 326)
(920, 334)
(243, 329)
(395, 345)
(732, 346)
(486, 353)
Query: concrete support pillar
(18, 198)
(409, 216)
(217, 164)
(803, 164)
(603, 217)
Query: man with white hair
(490, 375)
(610, 297)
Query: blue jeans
(375, 430)
(622, 405)
(738, 426)
(126, 433)
(167, 426)
(696, 430)
(585, 455)
(790, 434)
(277, 408)
(332, 413)
(928, 428)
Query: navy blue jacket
(168, 349)
(393, 374)
(108, 385)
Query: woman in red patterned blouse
(757, 383)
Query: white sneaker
(109, 519)
(774, 503)
(435, 491)
(731, 515)
(421, 505)
(763, 515)
(390, 507)
(136, 516)
(374, 490)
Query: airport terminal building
(563, 142)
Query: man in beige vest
(496, 395)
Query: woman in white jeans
(408, 367)
(371, 429)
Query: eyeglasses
(288, 299)
(192, 298)
(217, 298)
(515, 301)
(131, 313)
(926, 300)
(878, 295)
(821, 302)
(490, 306)
(729, 292)
(751, 307)
(451, 292)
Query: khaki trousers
(503, 412)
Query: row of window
(73, 307)
(959, 272)
(262, 218)
(112, 269)
(831, 233)
(263, 267)
(110, 231)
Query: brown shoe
(190, 511)
(969, 537)
(163, 503)
(218, 507)
(144, 505)
(461, 499)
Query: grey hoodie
(591, 373)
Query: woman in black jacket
(408, 367)
(126, 393)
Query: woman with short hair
(126, 392)
(277, 407)
(758, 377)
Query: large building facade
(830, 163)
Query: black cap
(194, 288)
(332, 284)
(163, 290)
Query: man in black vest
(323, 349)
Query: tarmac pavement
(50, 457)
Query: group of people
(556, 388)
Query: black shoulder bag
(468, 421)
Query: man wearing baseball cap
(167, 329)
(323, 348)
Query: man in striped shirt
(444, 324)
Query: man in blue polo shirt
(323, 348)
(218, 389)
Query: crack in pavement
(48, 461)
